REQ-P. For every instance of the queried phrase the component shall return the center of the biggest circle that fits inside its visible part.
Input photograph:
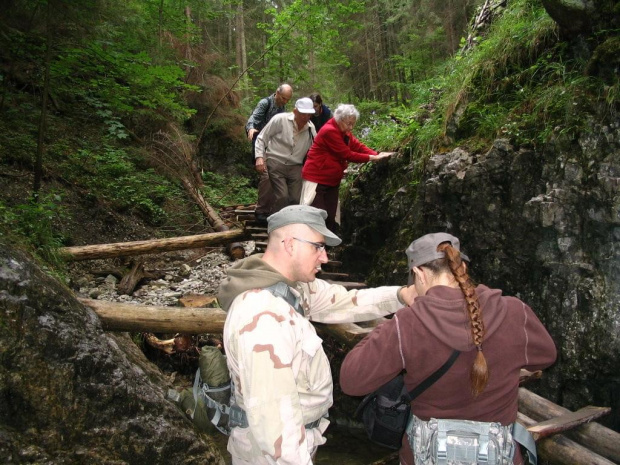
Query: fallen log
(157, 319)
(133, 278)
(348, 333)
(560, 450)
(599, 439)
(119, 249)
(117, 316)
(177, 156)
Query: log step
(255, 229)
(333, 276)
(348, 284)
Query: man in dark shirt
(264, 111)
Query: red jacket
(329, 155)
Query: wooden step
(333, 276)
(348, 284)
(255, 229)
(331, 266)
(252, 222)
(260, 246)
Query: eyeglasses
(319, 246)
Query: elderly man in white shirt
(281, 148)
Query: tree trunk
(160, 24)
(38, 165)
(121, 249)
(242, 58)
(188, 35)
(371, 80)
(234, 250)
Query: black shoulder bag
(385, 412)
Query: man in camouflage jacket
(281, 375)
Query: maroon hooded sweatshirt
(435, 325)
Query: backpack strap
(521, 435)
(201, 389)
(428, 382)
(283, 290)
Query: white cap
(304, 105)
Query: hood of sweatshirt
(443, 312)
(250, 273)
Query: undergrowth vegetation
(520, 82)
(33, 223)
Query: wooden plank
(567, 421)
(560, 450)
(595, 436)
(348, 284)
(330, 275)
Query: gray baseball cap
(424, 249)
(303, 214)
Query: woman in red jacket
(333, 148)
(496, 336)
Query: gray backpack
(464, 442)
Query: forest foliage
(85, 87)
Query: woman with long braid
(496, 335)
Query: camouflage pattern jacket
(280, 372)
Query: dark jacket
(265, 110)
(320, 120)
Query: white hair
(345, 111)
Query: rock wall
(71, 393)
(540, 224)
